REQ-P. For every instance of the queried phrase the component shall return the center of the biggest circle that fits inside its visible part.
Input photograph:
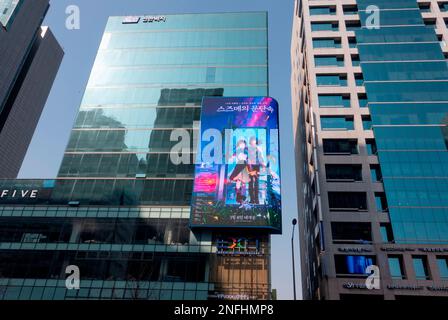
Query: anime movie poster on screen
(237, 171)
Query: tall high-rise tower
(369, 89)
(119, 209)
(30, 57)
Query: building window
(336, 123)
(324, 26)
(211, 75)
(8, 14)
(322, 10)
(349, 232)
(347, 201)
(326, 43)
(355, 61)
(380, 202)
(362, 99)
(442, 263)
(425, 7)
(396, 267)
(321, 61)
(371, 147)
(443, 6)
(350, 9)
(386, 233)
(353, 266)
(366, 123)
(340, 146)
(421, 267)
(352, 42)
(334, 101)
(352, 25)
(359, 80)
(375, 173)
(431, 22)
(343, 172)
(331, 80)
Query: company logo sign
(131, 19)
(150, 19)
(19, 194)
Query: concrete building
(30, 57)
(370, 109)
(119, 209)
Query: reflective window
(371, 147)
(322, 10)
(331, 80)
(321, 61)
(442, 263)
(386, 4)
(380, 202)
(324, 26)
(434, 70)
(8, 10)
(386, 233)
(366, 123)
(187, 39)
(396, 34)
(396, 267)
(340, 146)
(334, 101)
(400, 52)
(343, 172)
(174, 76)
(349, 232)
(394, 17)
(186, 57)
(375, 173)
(421, 269)
(347, 201)
(326, 43)
(336, 123)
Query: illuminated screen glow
(237, 172)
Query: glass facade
(8, 9)
(119, 209)
(406, 80)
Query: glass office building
(119, 208)
(370, 102)
(30, 57)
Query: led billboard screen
(237, 170)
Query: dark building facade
(370, 99)
(119, 209)
(30, 57)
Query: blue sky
(45, 153)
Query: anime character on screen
(254, 164)
(240, 174)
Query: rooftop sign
(145, 19)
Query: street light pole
(294, 222)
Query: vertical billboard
(237, 170)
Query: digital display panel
(237, 169)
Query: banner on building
(237, 169)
